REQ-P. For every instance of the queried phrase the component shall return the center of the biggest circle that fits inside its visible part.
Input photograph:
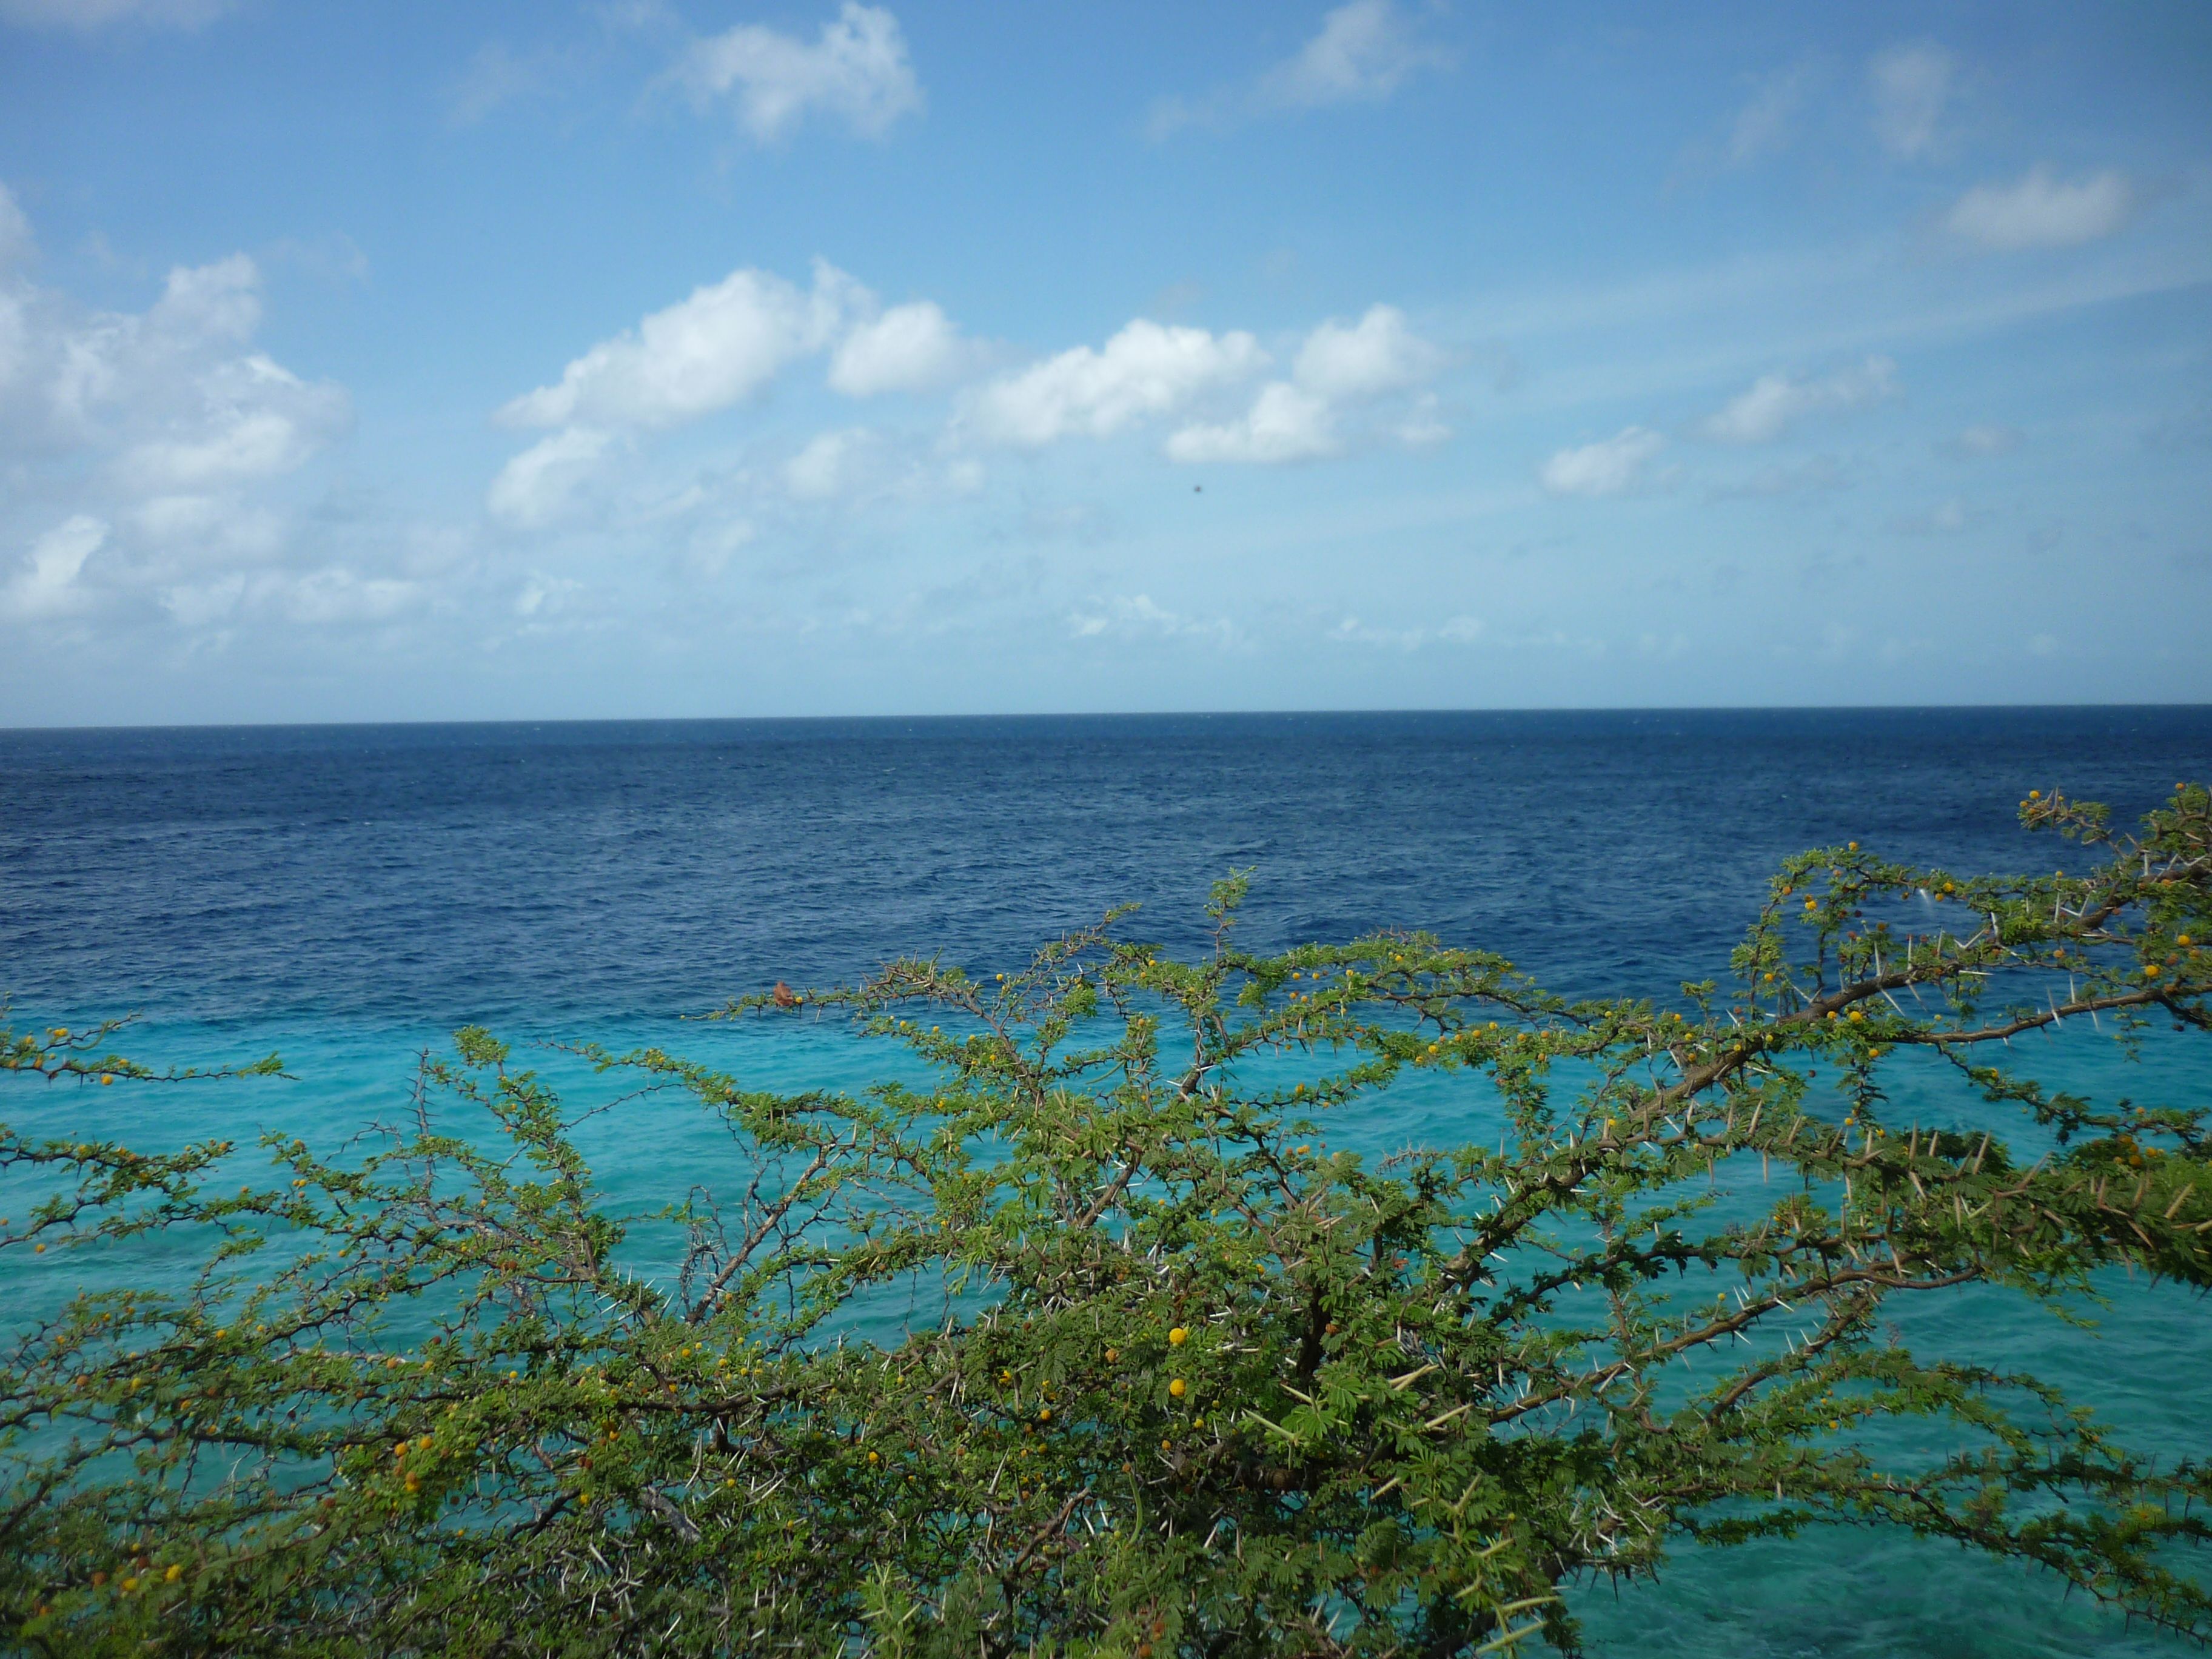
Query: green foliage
(1093, 1347)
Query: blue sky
(639, 358)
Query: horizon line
(1105, 714)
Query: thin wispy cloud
(1767, 124)
(1362, 52)
(2041, 210)
(1911, 87)
(1774, 403)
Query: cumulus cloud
(1286, 422)
(857, 70)
(141, 449)
(86, 16)
(536, 486)
(2042, 211)
(705, 353)
(1774, 403)
(1147, 369)
(1339, 364)
(910, 348)
(1613, 466)
(1365, 359)
(1364, 52)
(46, 583)
(1909, 85)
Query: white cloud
(1364, 52)
(2040, 211)
(544, 595)
(15, 338)
(857, 70)
(46, 585)
(1911, 84)
(333, 594)
(202, 304)
(1453, 630)
(1774, 403)
(202, 605)
(257, 420)
(156, 436)
(219, 529)
(1339, 363)
(534, 488)
(705, 353)
(88, 14)
(910, 348)
(824, 467)
(1376, 355)
(1422, 428)
(1136, 614)
(1146, 369)
(496, 76)
(1613, 466)
(1286, 422)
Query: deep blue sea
(348, 895)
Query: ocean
(349, 895)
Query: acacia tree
(1093, 1346)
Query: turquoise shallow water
(349, 897)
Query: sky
(665, 358)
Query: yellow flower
(1178, 1388)
(176, 1571)
(1178, 1337)
(2151, 970)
